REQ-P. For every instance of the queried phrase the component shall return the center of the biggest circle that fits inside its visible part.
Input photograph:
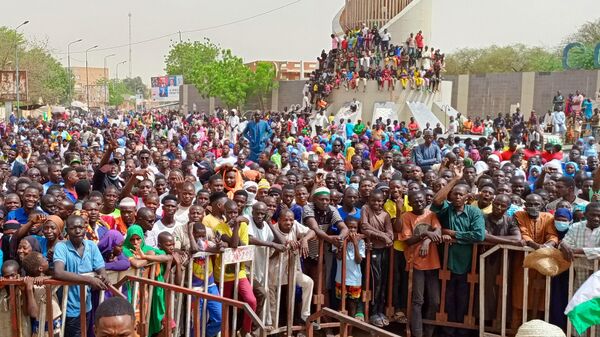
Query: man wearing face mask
(537, 231)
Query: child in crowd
(204, 241)
(296, 237)
(355, 253)
(376, 224)
(36, 268)
(234, 232)
(11, 271)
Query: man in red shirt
(532, 150)
(552, 152)
(512, 147)
(419, 40)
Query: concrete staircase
(392, 103)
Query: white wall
(415, 17)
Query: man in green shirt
(465, 225)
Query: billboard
(7, 85)
(166, 88)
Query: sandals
(400, 317)
(384, 319)
(376, 321)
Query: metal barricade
(16, 298)
(503, 305)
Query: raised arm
(441, 195)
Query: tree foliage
(521, 58)
(136, 85)
(118, 91)
(48, 81)
(496, 59)
(263, 79)
(588, 34)
(217, 72)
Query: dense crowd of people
(368, 53)
(85, 194)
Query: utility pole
(130, 63)
(87, 78)
(17, 82)
(70, 72)
(117, 70)
(106, 75)
(179, 36)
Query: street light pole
(87, 78)
(69, 68)
(17, 82)
(106, 80)
(117, 70)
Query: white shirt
(452, 127)
(159, 227)
(182, 214)
(234, 121)
(321, 121)
(261, 257)
(386, 36)
(229, 160)
(297, 232)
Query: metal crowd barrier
(16, 298)
(142, 283)
(475, 317)
(504, 290)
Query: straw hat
(538, 328)
(547, 261)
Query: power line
(190, 31)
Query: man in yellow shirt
(234, 231)
(395, 206)
(217, 202)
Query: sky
(290, 29)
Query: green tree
(263, 81)
(48, 81)
(191, 59)
(497, 59)
(136, 85)
(215, 72)
(588, 33)
(118, 91)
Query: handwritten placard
(241, 254)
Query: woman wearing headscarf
(533, 174)
(139, 255)
(232, 181)
(52, 229)
(111, 248)
(560, 283)
(251, 188)
(27, 245)
(474, 155)
(570, 169)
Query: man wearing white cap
(324, 220)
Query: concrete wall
(483, 94)
(488, 96)
(289, 93)
(546, 85)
